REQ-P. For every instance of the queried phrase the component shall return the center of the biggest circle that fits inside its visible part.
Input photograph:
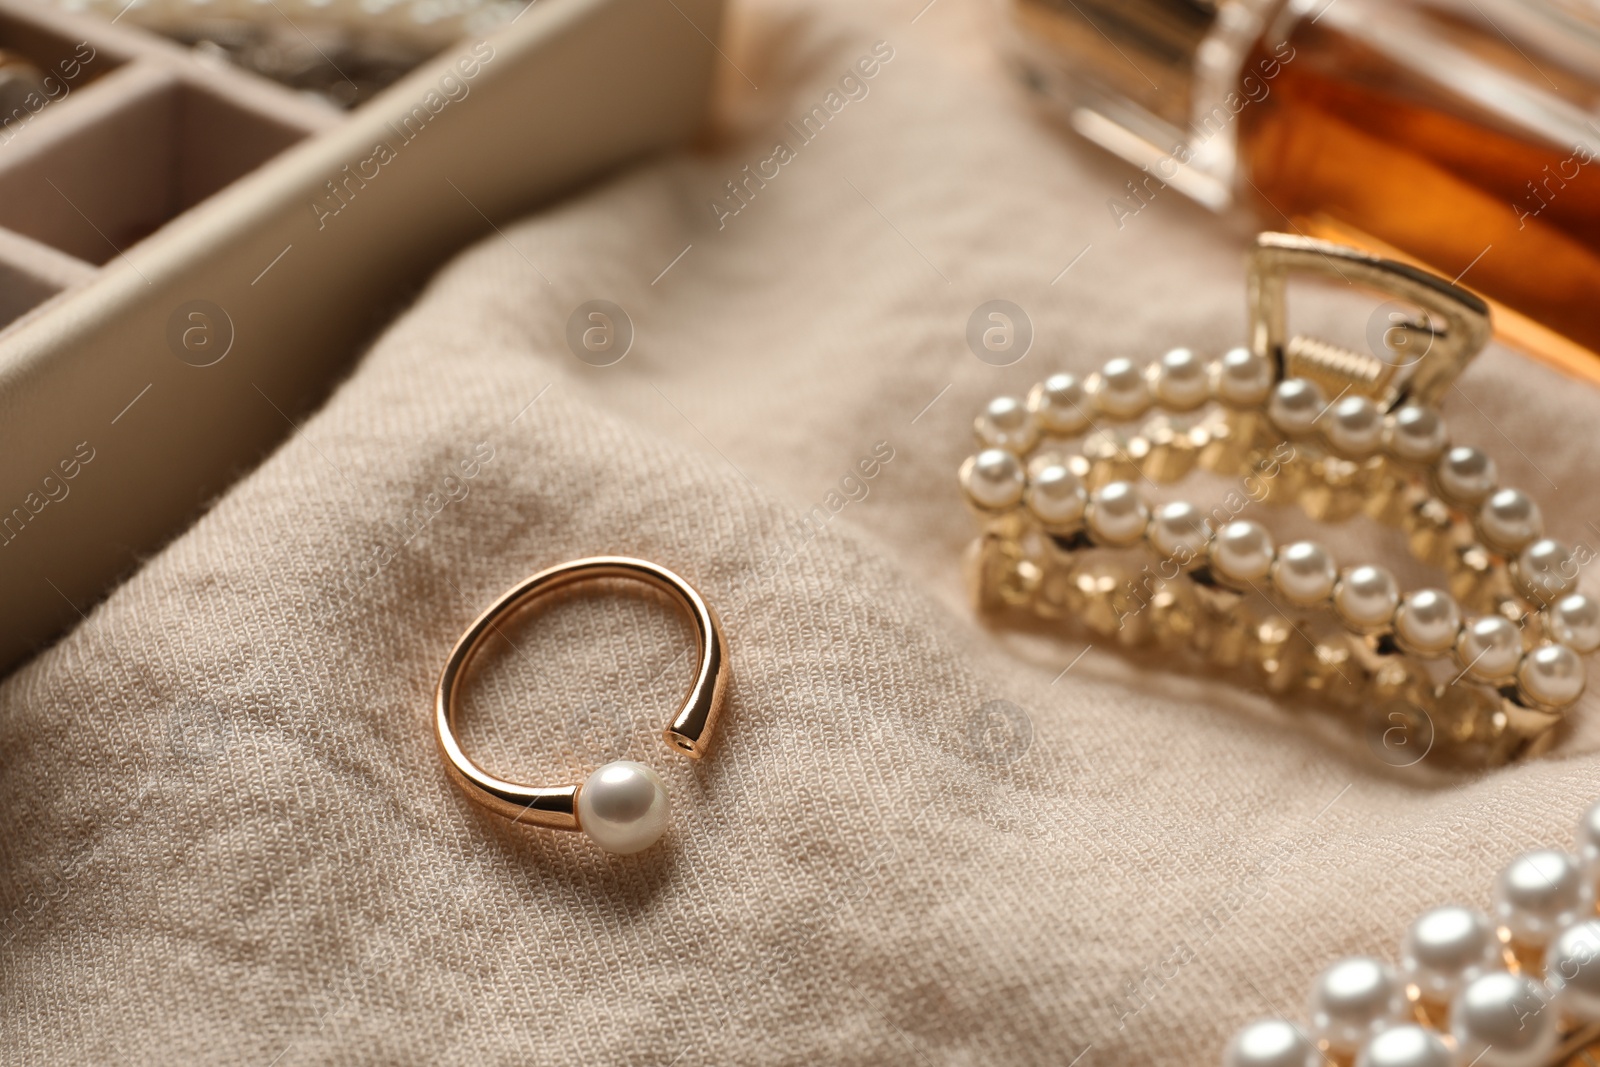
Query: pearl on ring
(623, 807)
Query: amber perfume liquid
(1351, 135)
(1461, 134)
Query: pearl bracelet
(1505, 639)
(1519, 987)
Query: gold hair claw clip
(1480, 670)
(1518, 986)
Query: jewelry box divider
(134, 132)
(286, 272)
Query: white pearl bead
(1489, 648)
(1538, 893)
(1572, 971)
(1465, 476)
(1575, 622)
(1007, 423)
(1179, 532)
(1121, 390)
(1055, 495)
(1304, 573)
(1061, 405)
(1117, 515)
(623, 807)
(1241, 378)
(1545, 571)
(1407, 1045)
(1589, 844)
(1271, 1043)
(993, 479)
(1447, 948)
(1499, 1020)
(1366, 597)
(1242, 551)
(1353, 1000)
(1509, 520)
(1415, 434)
(1295, 406)
(1180, 380)
(1355, 427)
(1427, 622)
(1551, 676)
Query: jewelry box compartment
(152, 194)
(120, 133)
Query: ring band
(624, 813)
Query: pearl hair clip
(1479, 673)
(1518, 989)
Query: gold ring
(623, 806)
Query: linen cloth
(229, 837)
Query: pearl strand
(1366, 598)
(1506, 990)
(1504, 519)
(1087, 500)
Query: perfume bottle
(1462, 135)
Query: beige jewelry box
(191, 255)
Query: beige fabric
(229, 838)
